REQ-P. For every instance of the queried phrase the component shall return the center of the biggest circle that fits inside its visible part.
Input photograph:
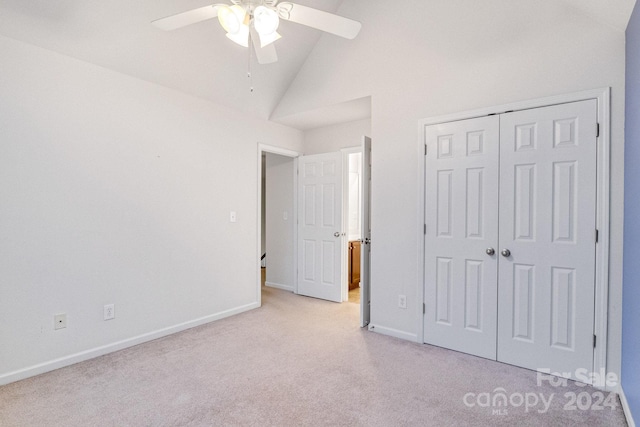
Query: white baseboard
(393, 332)
(626, 408)
(61, 362)
(279, 286)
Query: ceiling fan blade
(183, 19)
(319, 19)
(266, 54)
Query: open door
(320, 226)
(365, 215)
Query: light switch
(285, 215)
(232, 216)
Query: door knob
(506, 253)
(336, 234)
(490, 251)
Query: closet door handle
(506, 253)
(490, 251)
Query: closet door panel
(461, 185)
(547, 222)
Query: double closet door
(510, 218)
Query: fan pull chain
(249, 64)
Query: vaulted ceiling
(198, 59)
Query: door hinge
(425, 229)
(597, 235)
(424, 308)
(597, 130)
(594, 341)
(425, 149)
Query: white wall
(279, 231)
(329, 139)
(118, 191)
(432, 58)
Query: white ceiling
(198, 59)
(615, 13)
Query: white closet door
(320, 226)
(547, 222)
(461, 211)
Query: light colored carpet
(294, 362)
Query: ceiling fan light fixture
(265, 20)
(241, 36)
(232, 18)
(248, 21)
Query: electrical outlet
(233, 216)
(60, 321)
(402, 301)
(109, 312)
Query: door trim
(265, 148)
(603, 98)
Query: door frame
(603, 98)
(265, 148)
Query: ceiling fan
(256, 22)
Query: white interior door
(461, 210)
(547, 223)
(320, 226)
(365, 224)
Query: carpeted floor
(294, 362)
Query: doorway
(313, 227)
(276, 219)
(353, 222)
(358, 221)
